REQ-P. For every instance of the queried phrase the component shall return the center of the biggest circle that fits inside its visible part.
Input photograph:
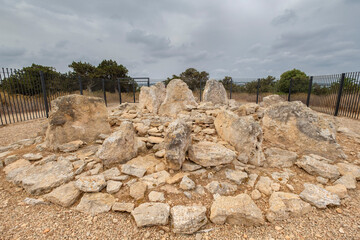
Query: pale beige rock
(209, 154)
(178, 96)
(160, 154)
(255, 194)
(247, 109)
(76, 117)
(215, 92)
(151, 214)
(33, 156)
(93, 183)
(236, 176)
(156, 179)
(121, 146)
(21, 163)
(240, 209)
(348, 180)
(244, 133)
(348, 168)
(187, 184)
(70, 146)
(338, 189)
(296, 127)
(187, 219)
(156, 196)
(95, 203)
(177, 141)
(176, 178)
(137, 190)
(151, 98)
(318, 196)
(222, 188)
(271, 100)
(318, 168)
(284, 205)
(276, 157)
(155, 140)
(264, 185)
(65, 195)
(123, 207)
(111, 173)
(113, 186)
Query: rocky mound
(191, 166)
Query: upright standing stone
(177, 141)
(215, 92)
(76, 117)
(151, 98)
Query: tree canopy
(300, 81)
(192, 78)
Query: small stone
(156, 196)
(111, 173)
(113, 186)
(123, 207)
(176, 178)
(187, 184)
(33, 156)
(278, 228)
(10, 159)
(188, 194)
(341, 230)
(150, 214)
(91, 183)
(348, 180)
(222, 188)
(252, 179)
(137, 190)
(255, 194)
(318, 196)
(94, 203)
(236, 176)
(188, 219)
(70, 146)
(338, 189)
(155, 140)
(190, 166)
(322, 180)
(133, 170)
(160, 154)
(264, 185)
(33, 201)
(65, 195)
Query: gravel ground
(21, 221)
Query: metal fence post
(43, 86)
(309, 91)
(339, 94)
(290, 86)
(148, 82)
(200, 91)
(80, 85)
(119, 88)
(103, 87)
(257, 91)
(134, 90)
(231, 84)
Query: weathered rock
(264, 185)
(156, 196)
(176, 178)
(215, 92)
(65, 195)
(93, 183)
(190, 166)
(34, 201)
(111, 173)
(209, 154)
(33, 156)
(10, 159)
(70, 146)
(156, 179)
(222, 188)
(187, 219)
(246, 109)
(338, 189)
(150, 214)
(151, 98)
(177, 141)
(121, 146)
(318, 196)
(244, 133)
(276, 157)
(284, 205)
(300, 129)
(187, 184)
(236, 176)
(123, 207)
(347, 168)
(240, 209)
(160, 154)
(76, 117)
(271, 100)
(16, 167)
(252, 179)
(136, 166)
(155, 140)
(255, 194)
(113, 186)
(41, 179)
(133, 170)
(137, 190)
(95, 203)
(348, 180)
(318, 168)
(178, 96)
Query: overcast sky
(238, 38)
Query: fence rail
(27, 95)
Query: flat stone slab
(318, 196)
(64, 195)
(95, 203)
(188, 219)
(151, 214)
(91, 183)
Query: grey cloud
(151, 41)
(288, 16)
(12, 51)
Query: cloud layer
(159, 38)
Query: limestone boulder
(150, 214)
(284, 205)
(65, 195)
(177, 141)
(318, 196)
(276, 157)
(76, 117)
(178, 96)
(318, 168)
(151, 98)
(121, 146)
(215, 92)
(187, 219)
(271, 100)
(95, 203)
(244, 133)
(297, 128)
(240, 210)
(208, 154)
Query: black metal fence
(27, 95)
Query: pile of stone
(172, 160)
